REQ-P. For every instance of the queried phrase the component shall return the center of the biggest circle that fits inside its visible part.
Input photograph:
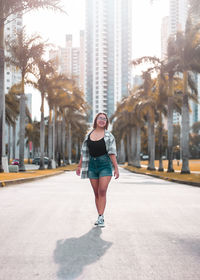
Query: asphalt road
(152, 230)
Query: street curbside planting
(192, 179)
(30, 175)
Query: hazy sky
(146, 26)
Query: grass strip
(4, 177)
(174, 176)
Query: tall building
(195, 107)
(178, 15)
(164, 36)
(75, 65)
(108, 54)
(82, 60)
(178, 11)
(13, 25)
(68, 48)
(71, 60)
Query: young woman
(98, 158)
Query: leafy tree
(7, 8)
(23, 52)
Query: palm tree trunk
(29, 155)
(128, 149)
(133, 144)
(9, 142)
(77, 150)
(59, 141)
(170, 134)
(22, 118)
(54, 135)
(42, 135)
(63, 140)
(14, 140)
(69, 144)
(50, 140)
(160, 142)
(122, 151)
(2, 96)
(151, 143)
(138, 146)
(170, 125)
(185, 128)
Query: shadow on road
(74, 254)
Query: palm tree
(12, 112)
(188, 53)
(127, 127)
(35, 137)
(149, 106)
(22, 52)
(121, 129)
(72, 100)
(43, 73)
(8, 8)
(58, 87)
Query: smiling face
(101, 121)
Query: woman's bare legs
(100, 187)
(95, 186)
(103, 186)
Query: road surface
(152, 230)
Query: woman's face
(101, 120)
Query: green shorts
(99, 167)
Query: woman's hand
(78, 170)
(116, 173)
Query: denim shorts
(99, 167)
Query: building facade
(108, 54)
(178, 15)
(71, 60)
(164, 37)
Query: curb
(24, 180)
(194, 184)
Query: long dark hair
(95, 120)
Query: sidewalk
(31, 175)
(192, 179)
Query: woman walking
(98, 158)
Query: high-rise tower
(108, 53)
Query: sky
(146, 26)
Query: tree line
(67, 108)
(167, 87)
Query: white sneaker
(101, 221)
(96, 223)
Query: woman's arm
(114, 162)
(78, 169)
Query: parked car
(36, 160)
(15, 162)
(145, 157)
